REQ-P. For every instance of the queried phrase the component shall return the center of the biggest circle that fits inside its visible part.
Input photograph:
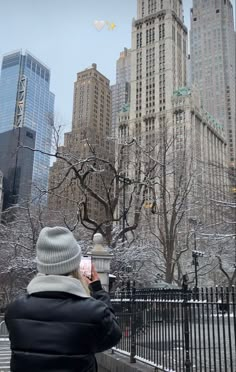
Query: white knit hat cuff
(63, 267)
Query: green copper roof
(184, 91)
(126, 107)
(214, 121)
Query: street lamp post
(195, 259)
(234, 237)
(126, 181)
(195, 255)
(188, 363)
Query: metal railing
(179, 330)
(3, 329)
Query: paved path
(5, 355)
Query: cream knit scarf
(57, 283)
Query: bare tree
(222, 243)
(19, 229)
(216, 237)
(154, 185)
(74, 186)
(170, 187)
(18, 235)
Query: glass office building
(17, 166)
(26, 101)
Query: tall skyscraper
(121, 90)
(161, 102)
(17, 165)
(91, 126)
(213, 63)
(26, 101)
(158, 58)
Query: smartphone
(86, 266)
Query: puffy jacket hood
(56, 283)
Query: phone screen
(85, 266)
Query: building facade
(204, 140)
(159, 80)
(16, 164)
(26, 101)
(158, 58)
(212, 40)
(121, 89)
(91, 126)
(158, 68)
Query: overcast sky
(61, 34)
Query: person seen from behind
(64, 319)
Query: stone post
(101, 257)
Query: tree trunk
(169, 270)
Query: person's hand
(94, 275)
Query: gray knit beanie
(57, 251)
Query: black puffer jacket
(60, 332)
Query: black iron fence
(3, 329)
(179, 330)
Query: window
(28, 62)
(161, 31)
(47, 76)
(139, 40)
(142, 8)
(38, 70)
(29, 134)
